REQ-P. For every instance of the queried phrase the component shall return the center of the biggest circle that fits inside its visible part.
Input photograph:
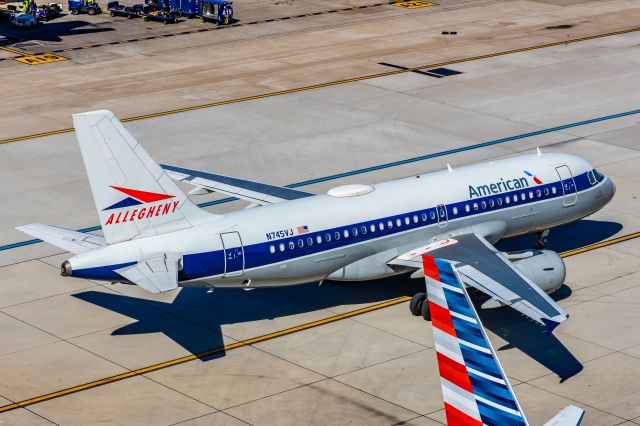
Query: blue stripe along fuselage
(211, 264)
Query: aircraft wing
(485, 268)
(475, 388)
(154, 275)
(73, 241)
(255, 192)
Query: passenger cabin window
(336, 235)
(346, 233)
(389, 224)
(373, 228)
(432, 215)
(354, 232)
(491, 203)
(291, 245)
(364, 229)
(309, 241)
(327, 237)
(319, 239)
(531, 195)
(546, 191)
(538, 193)
(475, 207)
(272, 249)
(407, 220)
(300, 243)
(467, 208)
(281, 246)
(398, 223)
(483, 205)
(553, 189)
(499, 201)
(455, 211)
(424, 217)
(515, 198)
(415, 218)
(507, 200)
(523, 196)
(381, 226)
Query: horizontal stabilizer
(155, 275)
(569, 416)
(255, 192)
(66, 239)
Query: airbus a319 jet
(155, 237)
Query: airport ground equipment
(26, 21)
(77, 7)
(218, 11)
(117, 9)
(160, 11)
(49, 11)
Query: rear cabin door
(441, 212)
(233, 254)
(569, 190)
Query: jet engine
(544, 267)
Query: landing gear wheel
(425, 311)
(91, 11)
(416, 303)
(541, 239)
(74, 11)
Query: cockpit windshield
(595, 176)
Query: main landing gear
(419, 306)
(541, 239)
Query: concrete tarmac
(377, 367)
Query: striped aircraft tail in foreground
(474, 386)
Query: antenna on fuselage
(449, 167)
(538, 150)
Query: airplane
(475, 388)
(154, 236)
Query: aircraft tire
(425, 311)
(415, 305)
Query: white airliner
(155, 237)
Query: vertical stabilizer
(134, 197)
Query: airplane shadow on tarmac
(54, 31)
(194, 319)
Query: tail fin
(134, 197)
(569, 416)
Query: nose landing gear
(419, 306)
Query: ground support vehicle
(117, 9)
(84, 6)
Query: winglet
(569, 416)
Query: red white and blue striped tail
(475, 389)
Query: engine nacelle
(544, 267)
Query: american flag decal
(302, 229)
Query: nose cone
(65, 269)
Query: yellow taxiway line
(337, 82)
(221, 349)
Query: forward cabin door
(569, 190)
(233, 254)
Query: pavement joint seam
(387, 165)
(343, 81)
(250, 342)
(582, 403)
